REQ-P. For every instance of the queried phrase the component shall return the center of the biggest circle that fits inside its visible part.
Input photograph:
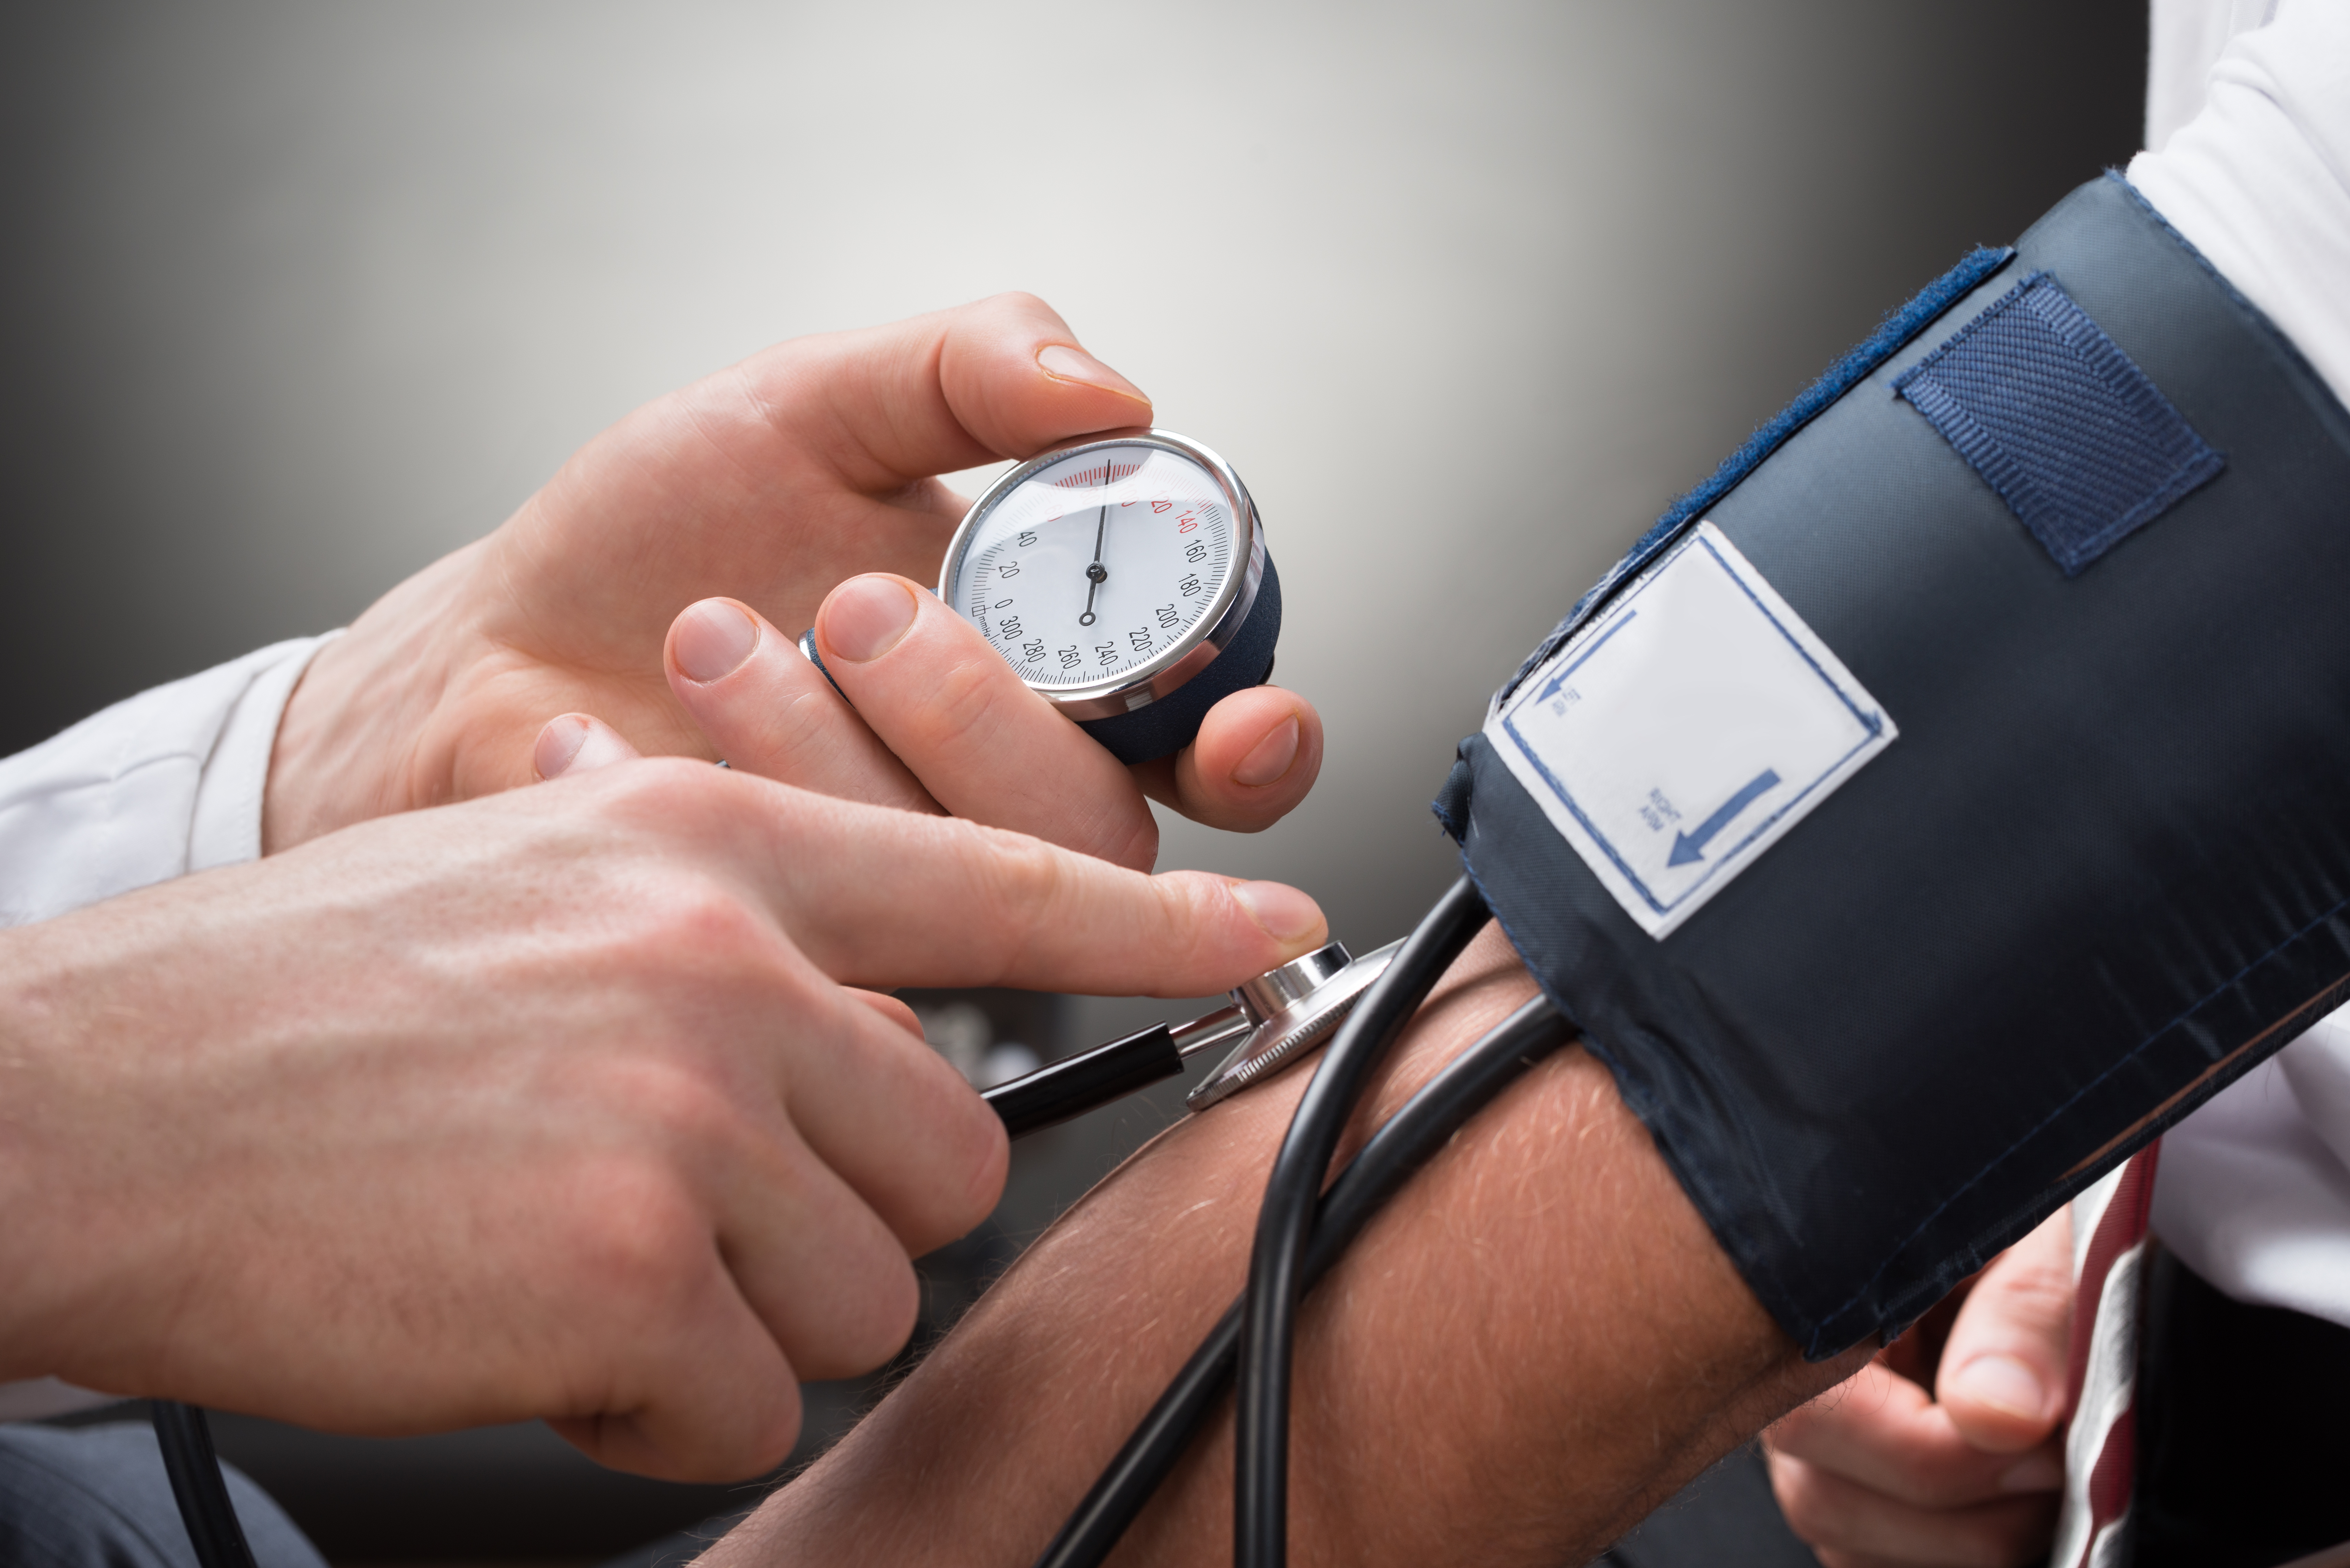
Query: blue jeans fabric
(96, 1497)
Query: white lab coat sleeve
(163, 783)
(158, 785)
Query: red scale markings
(1108, 474)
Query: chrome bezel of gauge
(1166, 670)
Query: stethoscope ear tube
(1394, 1154)
(198, 1486)
(1284, 1222)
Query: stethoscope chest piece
(1291, 1010)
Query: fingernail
(1271, 757)
(712, 638)
(865, 618)
(573, 743)
(2001, 1382)
(1285, 913)
(2041, 1473)
(1064, 363)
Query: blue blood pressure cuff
(1956, 790)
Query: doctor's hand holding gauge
(914, 707)
(807, 474)
(1123, 579)
(1124, 582)
(1107, 602)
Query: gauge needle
(1096, 574)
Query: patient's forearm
(1536, 1342)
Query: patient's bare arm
(1538, 1341)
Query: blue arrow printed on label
(1689, 847)
(1698, 683)
(1584, 657)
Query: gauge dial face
(1097, 565)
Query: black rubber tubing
(1395, 1153)
(198, 1485)
(1284, 1223)
(1075, 1085)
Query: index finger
(767, 709)
(880, 897)
(986, 747)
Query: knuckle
(684, 1105)
(707, 918)
(691, 927)
(965, 705)
(1195, 915)
(1132, 840)
(2039, 1297)
(659, 798)
(653, 781)
(974, 1156)
(1026, 886)
(790, 718)
(1017, 303)
(634, 1235)
(879, 1302)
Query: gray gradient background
(300, 296)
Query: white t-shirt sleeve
(2184, 40)
(158, 785)
(2248, 111)
(2259, 180)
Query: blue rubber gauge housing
(1125, 577)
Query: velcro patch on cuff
(2057, 420)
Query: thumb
(1014, 375)
(998, 377)
(2003, 1370)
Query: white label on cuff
(1678, 735)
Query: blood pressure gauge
(1125, 577)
